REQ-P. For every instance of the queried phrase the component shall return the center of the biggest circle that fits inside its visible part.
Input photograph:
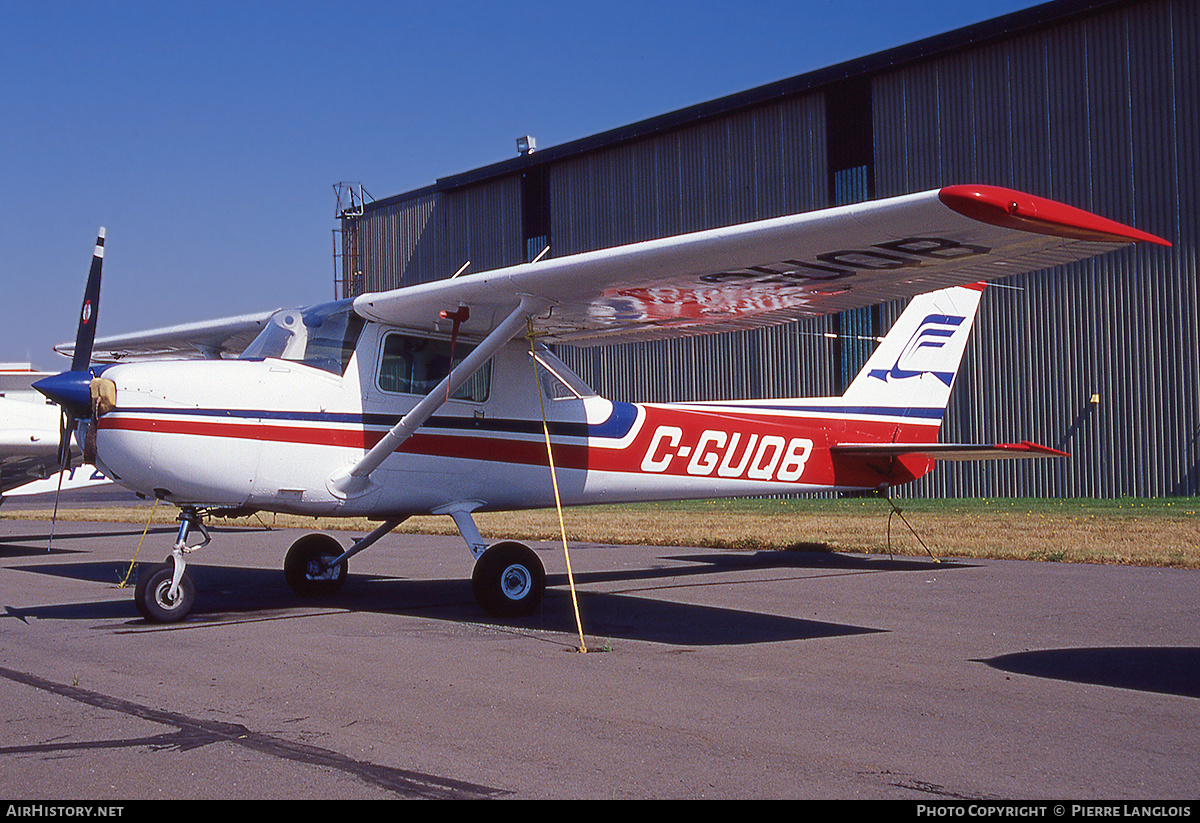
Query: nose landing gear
(159, 598)
(164, 593)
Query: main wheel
(508, 580)
(152, 594)
(308, 567)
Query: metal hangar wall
(1094, 103)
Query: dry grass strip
(1162, 532)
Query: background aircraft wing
(770, 271)
(74, 479)
(210, 339)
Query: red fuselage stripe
(671, 442)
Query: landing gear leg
(164, 593)
(508, 579)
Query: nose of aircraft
(70, 390)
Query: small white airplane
(36, 453)
(30, 434)
(353, 408)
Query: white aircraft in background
(32, 442)
(29, 441)
(443, 398)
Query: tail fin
(915, 365)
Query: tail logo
(922, 354)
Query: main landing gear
(312, 566)
(508, 580)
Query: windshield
(321, 336)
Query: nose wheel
(164, 593)
(159, 599)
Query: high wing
(770, 271)
(738, 277)
(210, 339)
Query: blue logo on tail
(922, 353)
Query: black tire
(306, 566)
(150, 594)
(509, 580)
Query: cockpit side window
(415, 365)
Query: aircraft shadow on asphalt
(1164, 670)
(228, 594)
(38, 545)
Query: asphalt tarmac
(707, 674)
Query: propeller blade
(66, 423)
(70, 390)
(85, 337)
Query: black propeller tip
(86, 333)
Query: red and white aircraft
(352, 408)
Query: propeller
(71, 390)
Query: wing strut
(356, 480)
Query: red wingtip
(1017, 210)
(1027, 446)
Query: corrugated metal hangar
(1096, 104)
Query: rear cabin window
(415, 365)
(558, 382)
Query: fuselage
(269, 433)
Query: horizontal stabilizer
(78, 478)
(950, 451)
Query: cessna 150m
(431, 399)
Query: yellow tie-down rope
(133, 562)
(554, 481)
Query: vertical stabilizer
(915, 365)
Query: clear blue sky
(207, 136)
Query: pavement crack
(191, 733)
